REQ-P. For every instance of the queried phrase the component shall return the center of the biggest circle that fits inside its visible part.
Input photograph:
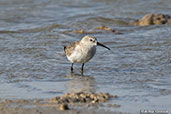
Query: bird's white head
(89, 40)
(92, 41)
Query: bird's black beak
(99, 44)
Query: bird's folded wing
(70, 48)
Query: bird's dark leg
(72, 67)
(82, 68)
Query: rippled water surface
(33, 64)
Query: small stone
(93, 101)
(92, 96)
(63, 107)
(83, 100)
(82, 95)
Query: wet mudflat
(33, 64)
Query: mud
(153, 19)
(97, 30)
(81, 97)
(70, 103)
(105, 28)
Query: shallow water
(33, 64)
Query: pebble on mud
(152, 19)
(64, 106)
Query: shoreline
(41, 106)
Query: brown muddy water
(33, 64)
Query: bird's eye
(91, 40)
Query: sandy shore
(41, 107)
(70, 103)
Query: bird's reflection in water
(80, 83)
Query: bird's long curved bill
(99, 44)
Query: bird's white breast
(82, 54)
